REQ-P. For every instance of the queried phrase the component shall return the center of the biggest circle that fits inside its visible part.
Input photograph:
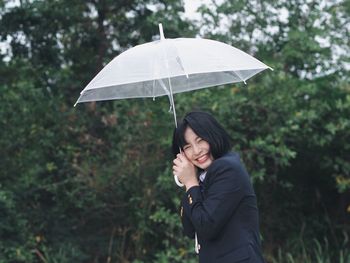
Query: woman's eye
(186, 147)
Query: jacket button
(190, 199)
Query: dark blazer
(224, 214)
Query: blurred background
(94, 183)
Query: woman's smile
(203, 158)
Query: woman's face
(197, 150)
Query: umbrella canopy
(170, 66)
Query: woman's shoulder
(229, 160)
(228, 168)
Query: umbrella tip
(75, 104)
(161, 31)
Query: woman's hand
(185, 171)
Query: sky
(191, 6)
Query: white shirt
(202, 176)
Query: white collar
(202, 176)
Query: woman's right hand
(185, 171)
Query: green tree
(78, 184)
(292, 125)
(93, 183)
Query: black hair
(207, 128)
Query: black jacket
(223, 211)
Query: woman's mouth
(202, 159)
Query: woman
(220, 204)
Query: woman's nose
(196, 150)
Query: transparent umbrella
(170, 66)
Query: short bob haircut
(207, 128)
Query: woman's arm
(226, 189)
(187, 225)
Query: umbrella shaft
(172, 103)
(173, 107)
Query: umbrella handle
(177, 181)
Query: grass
(316, 252)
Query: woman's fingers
(181, 165)
(182, 157)
(177, 162)
(176, 169)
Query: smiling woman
(220, 204)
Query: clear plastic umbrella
(170, 66)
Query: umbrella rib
(239, 76)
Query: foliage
(291, 125)
(93, 183)
(317, 251)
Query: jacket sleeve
(187, 225)
(224, 193)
